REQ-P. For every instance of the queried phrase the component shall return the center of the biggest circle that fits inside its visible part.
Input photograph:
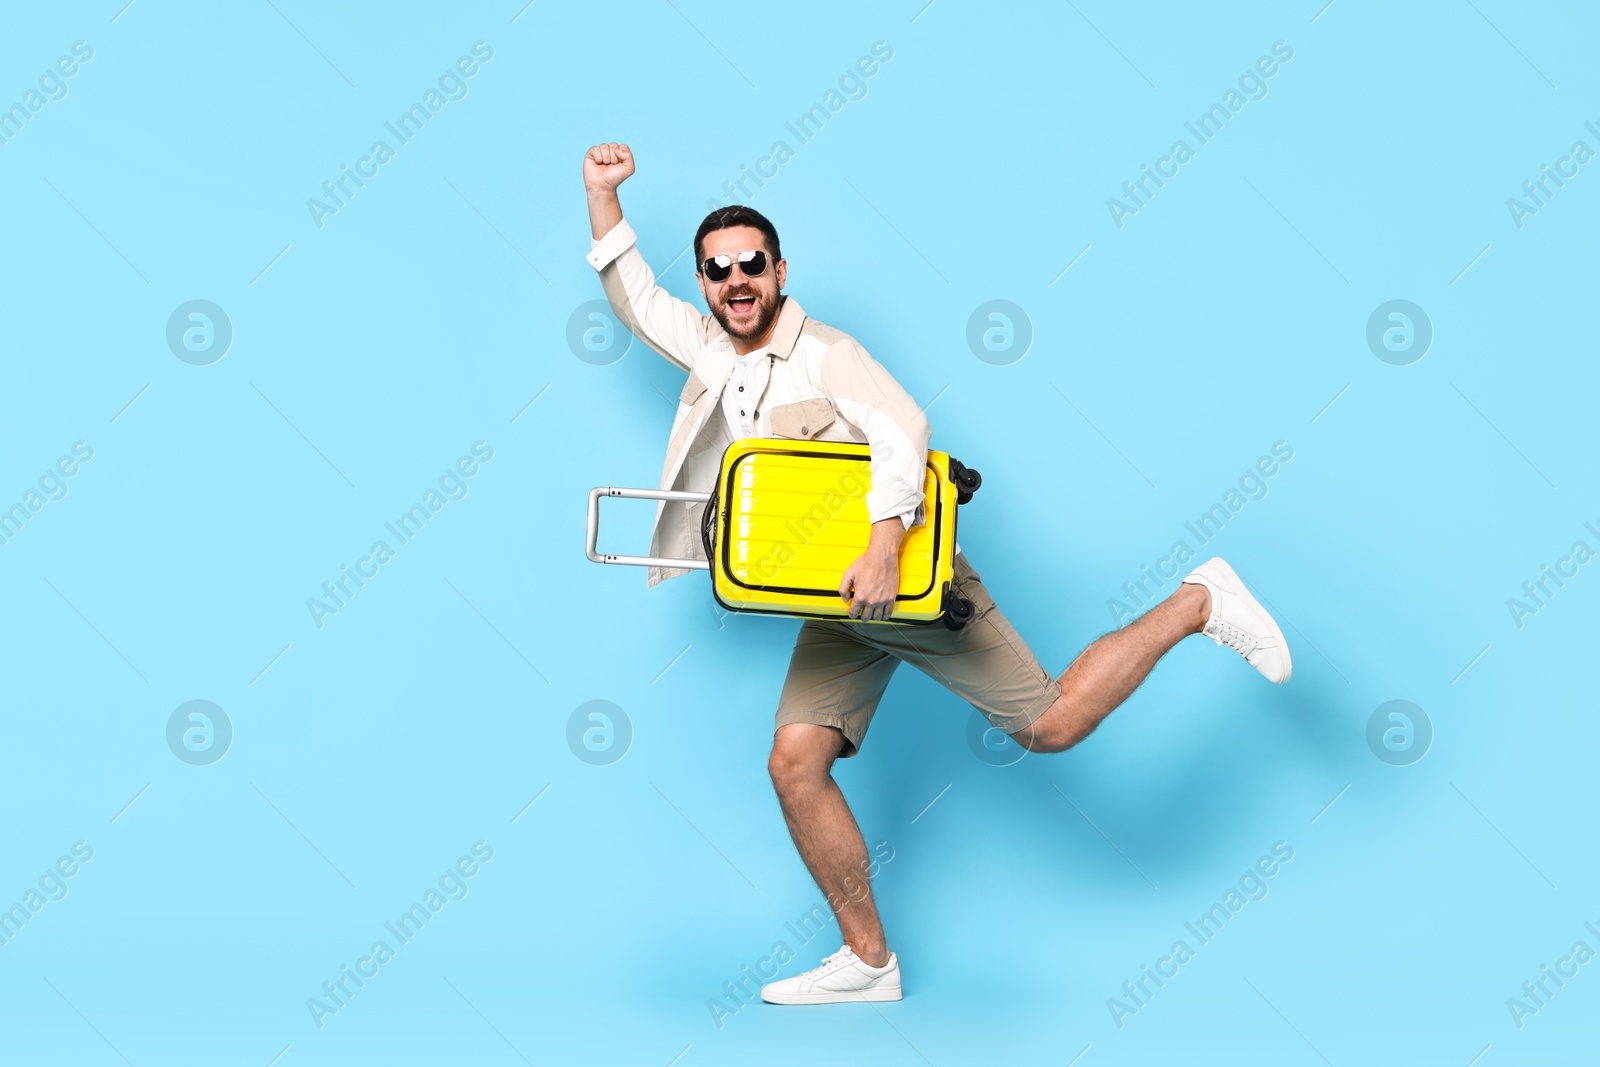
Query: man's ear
(700, 279)
(782, 269)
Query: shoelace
(836, 960)
(1225, 633)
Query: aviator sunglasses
(752, 263)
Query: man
(758, 366)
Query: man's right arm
(605, 166)
(673, 327)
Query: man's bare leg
(825, 833)
(1109, 670)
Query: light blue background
(426, 315)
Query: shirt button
(741, 388)
(741, 412)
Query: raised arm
(605, 166)
(674, 328)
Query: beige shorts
(839, 670)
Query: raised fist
(607, 166)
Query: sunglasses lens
(754, 264)
(717, 268)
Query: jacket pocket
(802, 419)
(691, 389)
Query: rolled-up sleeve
(673, 327)
(897, 431)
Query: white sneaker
(1240, 622)
(842, 977)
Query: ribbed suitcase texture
(788, 517)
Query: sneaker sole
(832, 997)
(1243, 591)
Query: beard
(766, 310)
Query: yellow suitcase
(787, 517)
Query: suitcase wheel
(966, 480)
(958, 609)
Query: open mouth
(741, 305)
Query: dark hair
(735, 215)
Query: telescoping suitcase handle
(638, 494)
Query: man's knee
(1054, 731)
(802, 754)
(1038, 738)
(1042, 742)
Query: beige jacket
(822, 386)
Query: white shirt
(749, 378)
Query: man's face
(746, 307)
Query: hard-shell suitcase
(788, 516)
